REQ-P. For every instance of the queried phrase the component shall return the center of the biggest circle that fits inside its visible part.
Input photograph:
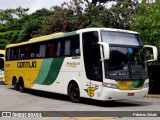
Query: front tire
(74, 93)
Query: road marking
(152, 96)
(80, 118)
(86, 118)
(45, 118)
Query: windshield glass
(126, 63)
(121, 38)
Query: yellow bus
(96, 63)
(2, 52)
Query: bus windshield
(127, 56)
(126, 63)
(121, 38)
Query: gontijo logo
(27, 64)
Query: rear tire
(21, 85)
(74, 93)
(15, 84)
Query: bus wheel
(15, 84)
(21, 85)
(74, 93)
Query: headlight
(146, 85)
(110, 85)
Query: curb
(152, 96)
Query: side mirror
(155, 52)
(105, 50)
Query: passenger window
(67, 50)
(71, 46)
(23, 52)
(15, 53)
(75, 47)
(51, 49)
(8, 54)
(42, 52)
(35, 51)
(59, 49)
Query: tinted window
(91, 54)
(66, 46)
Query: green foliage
(17, 26)
(33, 24)
(147, 23)
(59, 20)
(8, 38)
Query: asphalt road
(34, 101)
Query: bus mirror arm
(105, 50)
(155, 52)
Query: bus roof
(107, 29)
(43, 38)
(2, 51)
(62, 34)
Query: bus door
(1, 68)
(93, 65)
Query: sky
(32, 4)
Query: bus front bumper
(116, 94)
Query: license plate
(130, 94)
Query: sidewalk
(152, 96)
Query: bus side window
(12, 53)
(42, 51)
(58, 52)
(75, 46)
(23, 52)
(28, 50)
(8, 55)
(35, 51)
(51, 49)
(15, 53)
(67, 47)
(1, 64)
(70, 46)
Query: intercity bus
(96, 63)
(2, 52)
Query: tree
(120, 13)
(21, 12)
(10, 26)
(76, 14)
(32, 24)
(59, 21)
(147, 23)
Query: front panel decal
(130, 85)
(90, 91)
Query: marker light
(146, 85)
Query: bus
(2, 52)
(96, 63)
